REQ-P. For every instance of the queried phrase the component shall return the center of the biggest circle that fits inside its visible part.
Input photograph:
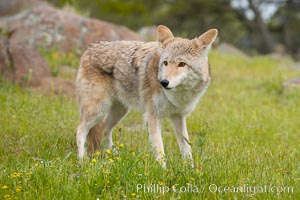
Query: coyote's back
(119, 66)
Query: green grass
(58, 59)
(245, 131)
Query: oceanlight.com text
(250, 189)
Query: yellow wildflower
(15, 174)
(19, 188)
(7, 196)
(108, 151)
(55, 55)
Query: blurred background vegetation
(256, 26)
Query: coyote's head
(183, 61)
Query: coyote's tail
(95, 138)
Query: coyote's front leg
(154, 124)
(179, 123)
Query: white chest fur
(179, 100)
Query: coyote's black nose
(164, 83)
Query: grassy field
(245, 136)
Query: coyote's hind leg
(92, 110)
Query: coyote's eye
(181, 64)
(165, 63)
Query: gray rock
(46, 26)
(295, 82)
(229, 49)
(20, 63)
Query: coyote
(165, 78)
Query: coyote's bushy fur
(163, 79)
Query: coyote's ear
(205, 40)
(163, 35)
